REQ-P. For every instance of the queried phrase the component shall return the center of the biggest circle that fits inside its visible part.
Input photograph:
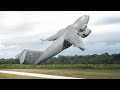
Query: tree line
(86, 59)
(77, 59)
(9, 61)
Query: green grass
(80, 73)
(90, 71)
(63, 66)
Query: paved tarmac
(38, 75)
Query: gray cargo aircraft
(71, 35)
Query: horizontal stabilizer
(29, 56)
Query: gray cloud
(115, 19)
(104, 37)
(26, 27)
(17, 45)
(96, 43)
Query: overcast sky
(23, 29)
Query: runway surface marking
(38, 75)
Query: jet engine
(82, 28)
(85, 33)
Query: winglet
(82, 48)
(42, 39)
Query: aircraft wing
(54, 37)
(75, 39)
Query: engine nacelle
(85, 33)
(82, 28)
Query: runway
(38, 75)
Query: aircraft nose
(82, 20)
(85, 18)
(86, 15)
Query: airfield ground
(79, 73)
(88, 71)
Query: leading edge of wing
(54, 37)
